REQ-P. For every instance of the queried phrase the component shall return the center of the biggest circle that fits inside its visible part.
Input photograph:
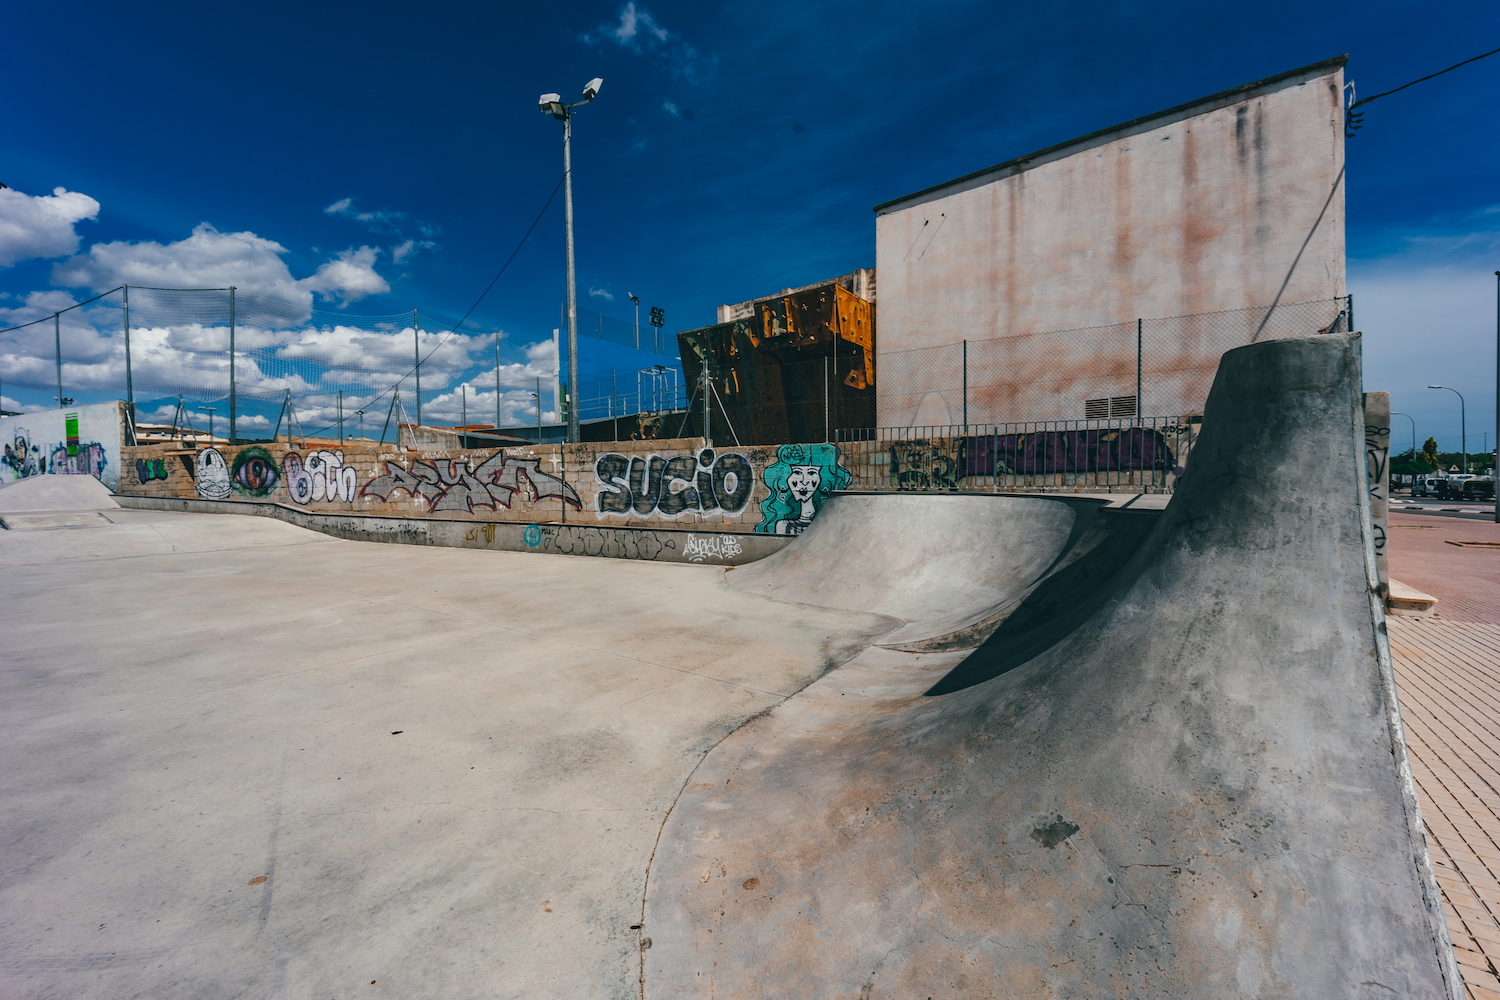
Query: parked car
(1424, 486)
(1479, 488)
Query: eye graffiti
(255, 472)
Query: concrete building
(1231, 202)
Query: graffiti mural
(922, 465)
(671, 487)
(149, 469)
(22, 457)
(1046, 452)
(449, 484)
(212, 475)
(800, 480)
(84, 460)
(701, 547)
(254, 472)
(323, 476)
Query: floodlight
(545, 102)
(1436, 387)
(591, 89)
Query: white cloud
(637, 30)
(381, 220)
(601, 293)
(403, 252)
(671, 109)
(349, 277)
(340, 207)
(211, 259)
(632, 22)
(41, 225)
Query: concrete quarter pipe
(1190, 782)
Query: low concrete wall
(679, 483)
(655, 544)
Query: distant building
(1231, 202)
(788, 367)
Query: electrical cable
(482, 294)
(1354, 117)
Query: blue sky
(734, 149)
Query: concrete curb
(655, 544)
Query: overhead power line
(1353, 125)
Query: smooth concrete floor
(242, 759)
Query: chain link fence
(217, 345)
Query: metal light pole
(553, 105)
(1408, 416)
(637, 303)
(1463, 431)
(1497, 395)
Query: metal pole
(614, 412)
(539, 409)
(966, 387)
(464, 390)
(1138, 369)
(572, 290)
(1497, 396)
(1349, 305)
(708, 437)
(129, 384)
(341, 418)
(825, 397)
(416, 347)
(57, 333)
(231, 366)
(497, 381)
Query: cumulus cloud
(602, 293)
(211, 259)
(41, 225)
(348, 278)
(634, 21)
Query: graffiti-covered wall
(678, 483)
(81, 440)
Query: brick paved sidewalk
(1448, 680)
(1464, 578)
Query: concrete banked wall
(1195, 787)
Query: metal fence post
(1349, 306)
(497, 381)
(825, 397)
(966, 386)
(1138, 325)
(341, 420)
(231, 371)
(57, 334)
(538, 409)
(708, 439)
(416, 350)
(612, 410)
(129, 385)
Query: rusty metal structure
(791, 367)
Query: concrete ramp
(1186, 778)
(938, 563)
(56, 493)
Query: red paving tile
(1466, 581)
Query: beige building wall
(1197, 209)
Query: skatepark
(940, 744)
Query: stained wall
(1230, 202)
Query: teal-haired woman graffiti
(800, 480)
